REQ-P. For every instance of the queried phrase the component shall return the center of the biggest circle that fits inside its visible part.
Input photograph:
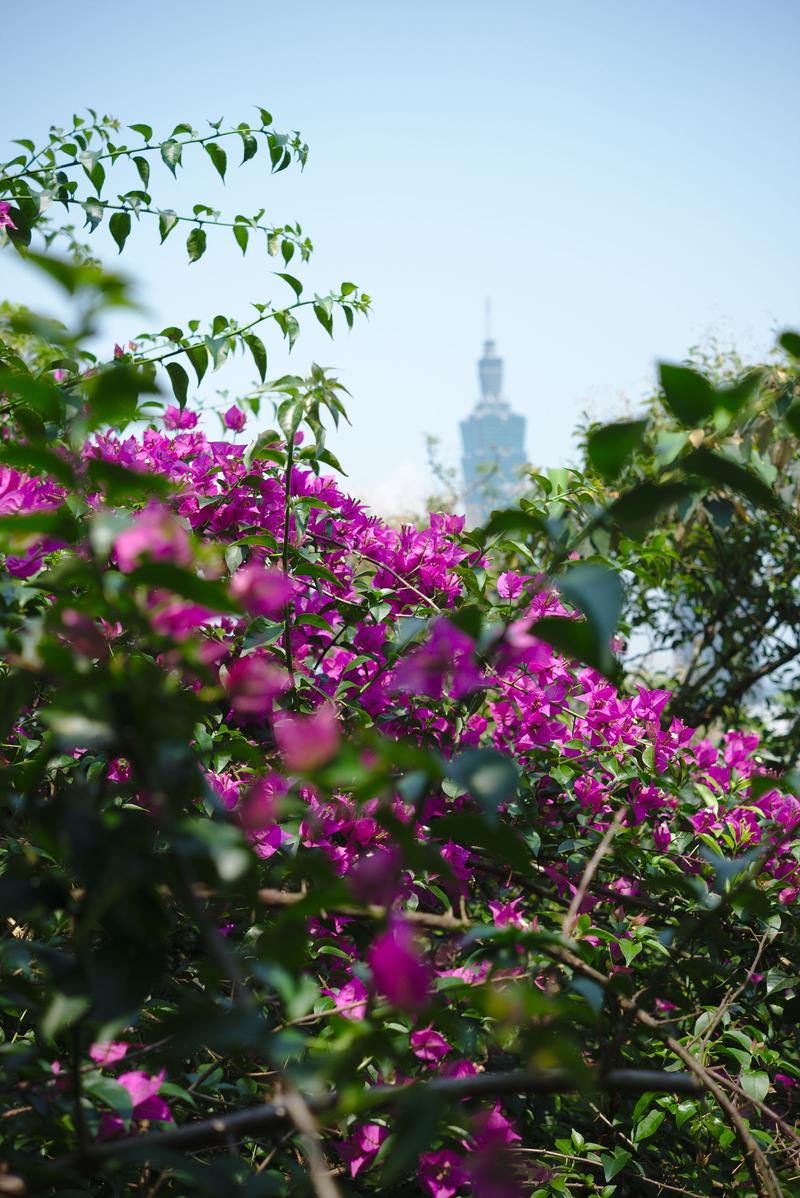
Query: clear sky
(621, 176)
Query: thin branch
(447, 922)
(732, 995)
(303, 1119)
(266, 1117)
(571, 914)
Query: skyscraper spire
(490, 373)
(493, 438)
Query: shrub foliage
(346, 859)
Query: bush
(343, 856)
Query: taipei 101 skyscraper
(493, 438)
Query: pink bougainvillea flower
(492, 1127)
(445, 663)
(362, 1147)
(155, 534)
(458, 859)
(442, 1173)
(143, 1090)
(308, 741)
(374, 878)
(261, 591)
(350, 999)
(235, 419)
(267, 842)
(490, 1164)
(225, 787)
(174, 418)
(5, 216)
(508, 913)
(509, 585)
(110, 1053)
(491, 1173)
(399, 973)
(429, 1045)
(252, 683)
(462, 1068)
(83, 634)
(662, 836)
(258, 806)
(663, 1005)
(179, 619)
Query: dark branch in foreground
(268, 1117)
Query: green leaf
(734, 398)
(259, 352)
(487, 774)
(597, 592)
(249, 147)
(325, 318)
(58, 523)
(499, 840)
(638, 509)
(144, 130)
(198, 356)
(180, 382)
(792, 417)
(575, 639)
(242, 235)
(791, 343)
(119, 227)
(687, 394)
(649, 1125)
(414, 1125)
(330, 459)
(726, 473)
(218, 348)
(208, 593)
(755, 1084)
(218, 157)
(62, 1011)
(110, 1092)
(167, 220)
(295, 284)
(120, 483)
(171, 154)
(143, 167)
(513, 520)
(609, 448)
(196, 244)
(614, 1164)
(94, 210)
(37, 461)
(113, 394)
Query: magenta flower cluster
(571, 733)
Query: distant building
(493, 438)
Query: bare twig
(303, 1119)
(732, 995)
(580, 894)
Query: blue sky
(620, 176)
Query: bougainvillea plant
(342, 859)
